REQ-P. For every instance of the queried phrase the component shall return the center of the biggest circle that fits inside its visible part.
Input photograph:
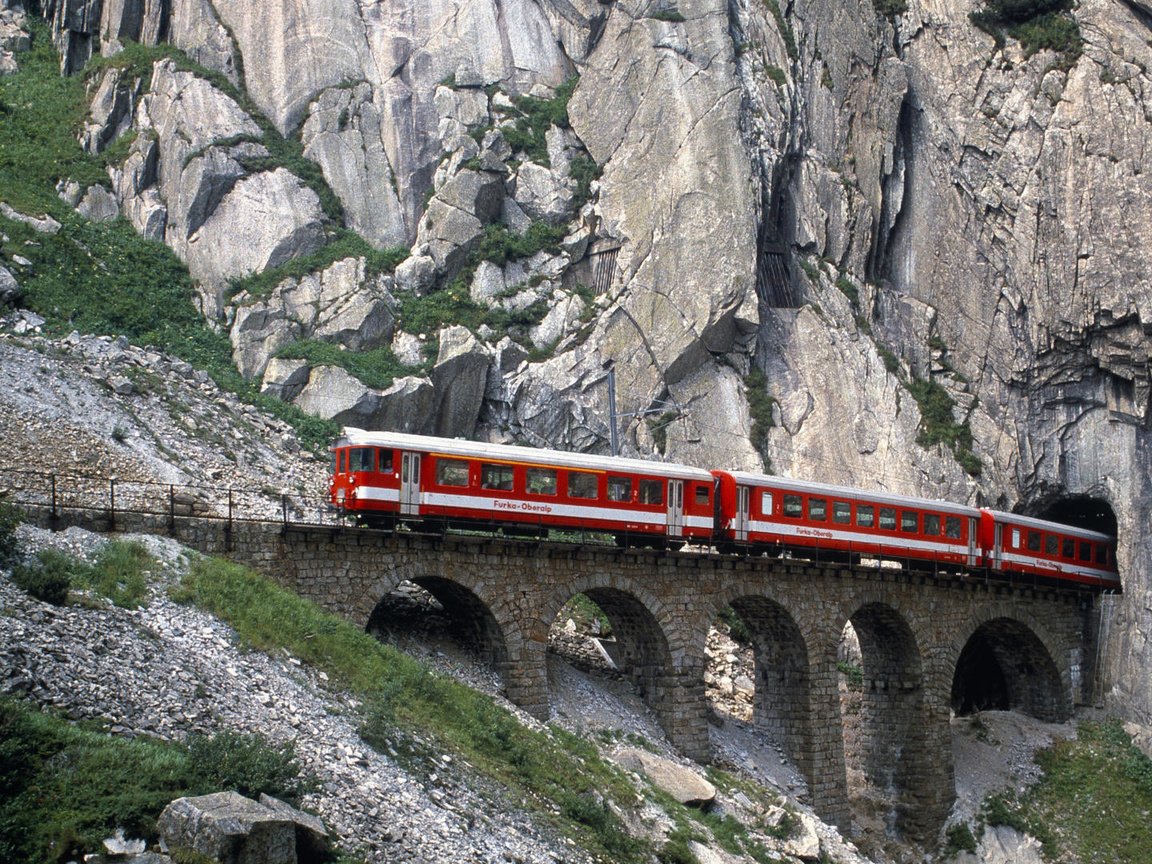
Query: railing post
(55, 518)
(228, 527)
(111, 503)
(172, 509)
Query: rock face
(229, 828)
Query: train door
(675, 508)
(998, 547)
(972, 558)
(740, 527)
(409, 483)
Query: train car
(1019, 544)
(382, 476)
(758, 512)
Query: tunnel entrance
(1081, 511)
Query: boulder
(285, 379)
(99, 205)
(110, 110)
(682, 783)
(543, 194)
(230, 828)
(459, 378)
(10, 290)
(313, 843)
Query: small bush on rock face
(48, 578)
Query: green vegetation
(1091, 802)
(785, 28)
(587, 615)
(536, 117)
(738, 630)
(10, 518)
(848, 289)
(65, 787)
(1039, 25)
(248, 764)
(776, 75)
(958, 838)
(345, 245)
(760, 406)
(119, 574)
(552, 771)
(938, 424)
(890, 8)
(853, 673)
(376, 368)
(672, 15)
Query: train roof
(558, 458)
(851, 493)
(1045, 525)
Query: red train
(383, 476)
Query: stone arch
(641, 646)
(481, 623)
(1001, 662)
(900, 753)
(782, 699)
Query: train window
(451, 472)
(865, 515)
(909, 521)
(1033, 541)
(766, 503)
(362, 459)
(1068, 548)
(1015, 538)
(1051, 544)
(817, 509)
(581, 484)
(334, 465)
(384, 465)
(952, 527)
(619, 488)
(932, 524)
(1101, 553)
(540, 481)
(793, 506)
(496, 477)
(1085, 550)
(651, 491)
(841, 512)
(702, 496)
(888, 518)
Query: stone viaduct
(927, 639)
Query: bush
(958, 838)
(48, 578)
(10, 517)
(247, 764)
(1039, 25)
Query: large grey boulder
(10, 290)
(230, 828)
(682, 783)
(459, 379)
(456, 217)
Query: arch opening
(1005, 666)
(883, 722)
(435, 616)
(611, 635)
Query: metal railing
(60, 495)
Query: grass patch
(1092, 800)
(119, 574)
(785, 28)
(938, 424)
(890, 8)
(65, 787)
(377, 368)
(552, 772)
(10, 518)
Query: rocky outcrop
(229, 828)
